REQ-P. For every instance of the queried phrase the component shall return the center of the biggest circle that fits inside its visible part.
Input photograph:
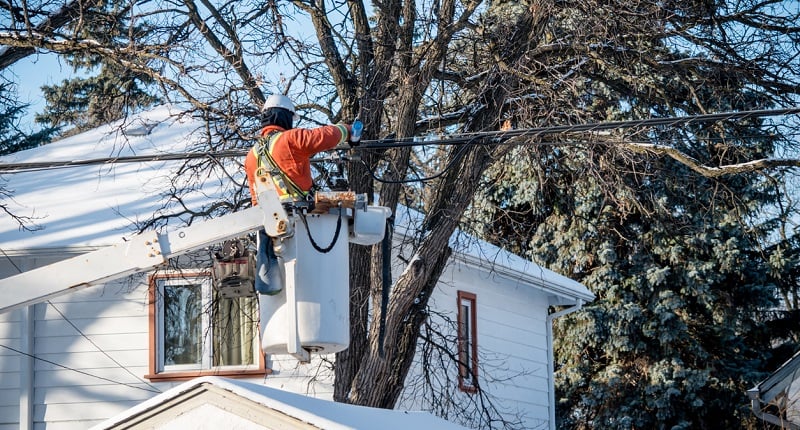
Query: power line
(153, 390)
(494, 137)
(77, 370)
(600, 126)
(27, 167)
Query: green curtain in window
(234, 331)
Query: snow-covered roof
(319, 413)
(97, 205)
(475, 252)
(93, 205)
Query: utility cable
(101, 349)
(453, 160)
(386, 281)
(77, 370)
(503, 135)
(169, 156)
(153, 390)
(494, 137)
(316, 246)
(10, 260)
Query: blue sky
(31, 73)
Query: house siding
(10, 366)
(102, 353)
(512, 342)
(93, 366)
(90, 366)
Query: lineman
(289, 150)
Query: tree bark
(63, 16)
(380, 375)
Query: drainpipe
(755, 405)
(26, 368)
(551, 361)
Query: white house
(83, 358)
(776, 399)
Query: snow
(498, 261)
(321, 413)
(96, 205)
(93, 205)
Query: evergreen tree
(85, 103)
(683, 266)
(677, 334)
(680, 263)
(13, 136)
(111, 88)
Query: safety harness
(292, 192)
(285, 184)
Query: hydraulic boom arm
(145, 251)
(142, 252)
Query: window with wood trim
(467, 343)
(194, 331)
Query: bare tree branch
(234, 58)
(61, 17)
(709, 171)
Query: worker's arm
(250, 166)
(312, 141)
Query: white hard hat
(280, 101)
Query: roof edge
(570, 288)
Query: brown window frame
(467, 347)
(154, 374)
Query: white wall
(92, 353)
(10, 363)
(101, 355)
(512, 343)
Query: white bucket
(369, 226)
(321, 287)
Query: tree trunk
(380, 374)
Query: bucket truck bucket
(369, 225)
(311, 313)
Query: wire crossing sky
(493, 137)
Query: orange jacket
(292, 151)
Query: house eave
(568, 292)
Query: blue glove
(355, 132)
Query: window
(467, 343)
(194, 331)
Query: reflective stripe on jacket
(292, 150)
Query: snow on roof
(320, 413)
(93, 205)
(97, 205)
(476, 252)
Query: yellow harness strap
(263, 151)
